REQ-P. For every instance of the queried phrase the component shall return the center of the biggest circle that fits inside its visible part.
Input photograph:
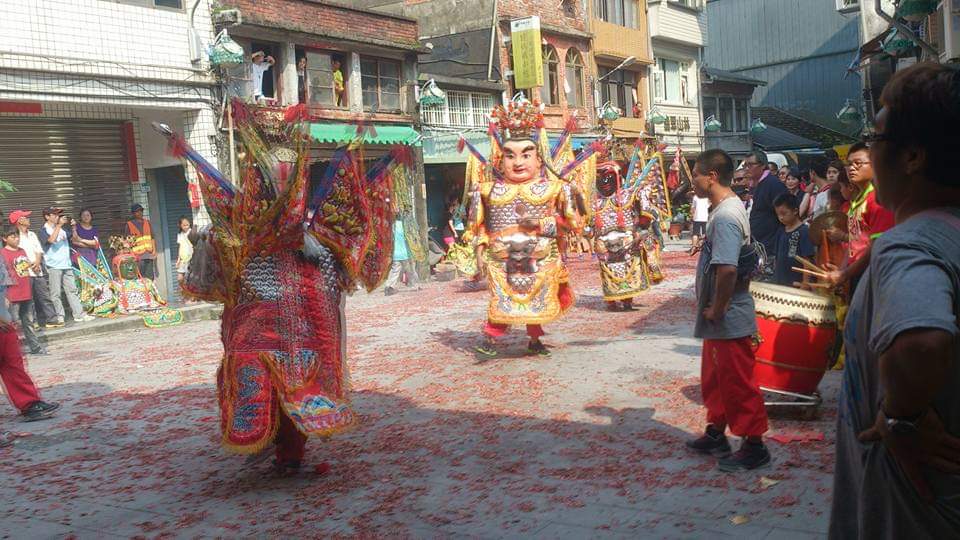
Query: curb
(191, 313)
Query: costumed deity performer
(280, 262)
(518, 212)
(616, 214)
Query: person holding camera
(55, 237)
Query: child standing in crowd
(184, 249)
(793, 241)
(20, 388)
(20, 294)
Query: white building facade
(678, 32)
(81, 81)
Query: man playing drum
(726, 322)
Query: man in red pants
(18, 385)
(726, 323)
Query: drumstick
(825, 245)
(820, 275)
(808, 264)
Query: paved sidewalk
(585, 444)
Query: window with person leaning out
(792, 241)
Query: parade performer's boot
(627, 304)
(290, 446)
(487, 347)
(537, 347)
(612, 306)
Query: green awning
(385, 134)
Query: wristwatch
(904, 426)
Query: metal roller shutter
(66, 163)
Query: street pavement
(587, 443)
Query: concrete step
(191, 312)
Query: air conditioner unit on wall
(948, 15)
(848, 6)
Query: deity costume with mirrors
(280, 262)
(515, 223)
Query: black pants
(41, 300)
(22, 312)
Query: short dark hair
(760, 156)
(923, 110)
(858, 147)
(788, 200)
(819, 166)
(9, 230)
(717, 161)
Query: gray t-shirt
(913, 282)
(728, 229)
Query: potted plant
(679, 221)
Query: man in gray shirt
(726, 322)
(898, 425)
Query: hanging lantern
(757, 126)
(610, 113)
(915, 10)
(655, 116)
(431, 95)
(712, 124)
(896, 44)
(849, 114)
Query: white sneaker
(85, 318)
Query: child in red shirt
(20, 294)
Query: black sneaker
(38, 410)
(713, 442)
(537, 348)
(750, 456)
(389, 291)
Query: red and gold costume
(617, 240)
(526, 276)
(280, 261)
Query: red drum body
(797, 330)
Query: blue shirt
(400, 252)
(790, 245)
(57, 254)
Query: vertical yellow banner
(527, 53)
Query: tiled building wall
(101, 38)
(111, 60)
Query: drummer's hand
(834, 274)
(713, 314)
(931, 446)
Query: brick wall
(559, 13)
(325, 19)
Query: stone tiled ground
(585, 444)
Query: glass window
(574, 79)
(320, 77)
(462, 109)
(178, 4)
(725, 115)
(671, 80)
(619, 89)
(380, 82)
(709, 107)
(550, 91)
(743, 114)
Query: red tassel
(296, 113)
(462, 143)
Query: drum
(797, 330)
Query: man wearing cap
(144, 247)
(55, 238)
(30, 243)
(261, 63)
